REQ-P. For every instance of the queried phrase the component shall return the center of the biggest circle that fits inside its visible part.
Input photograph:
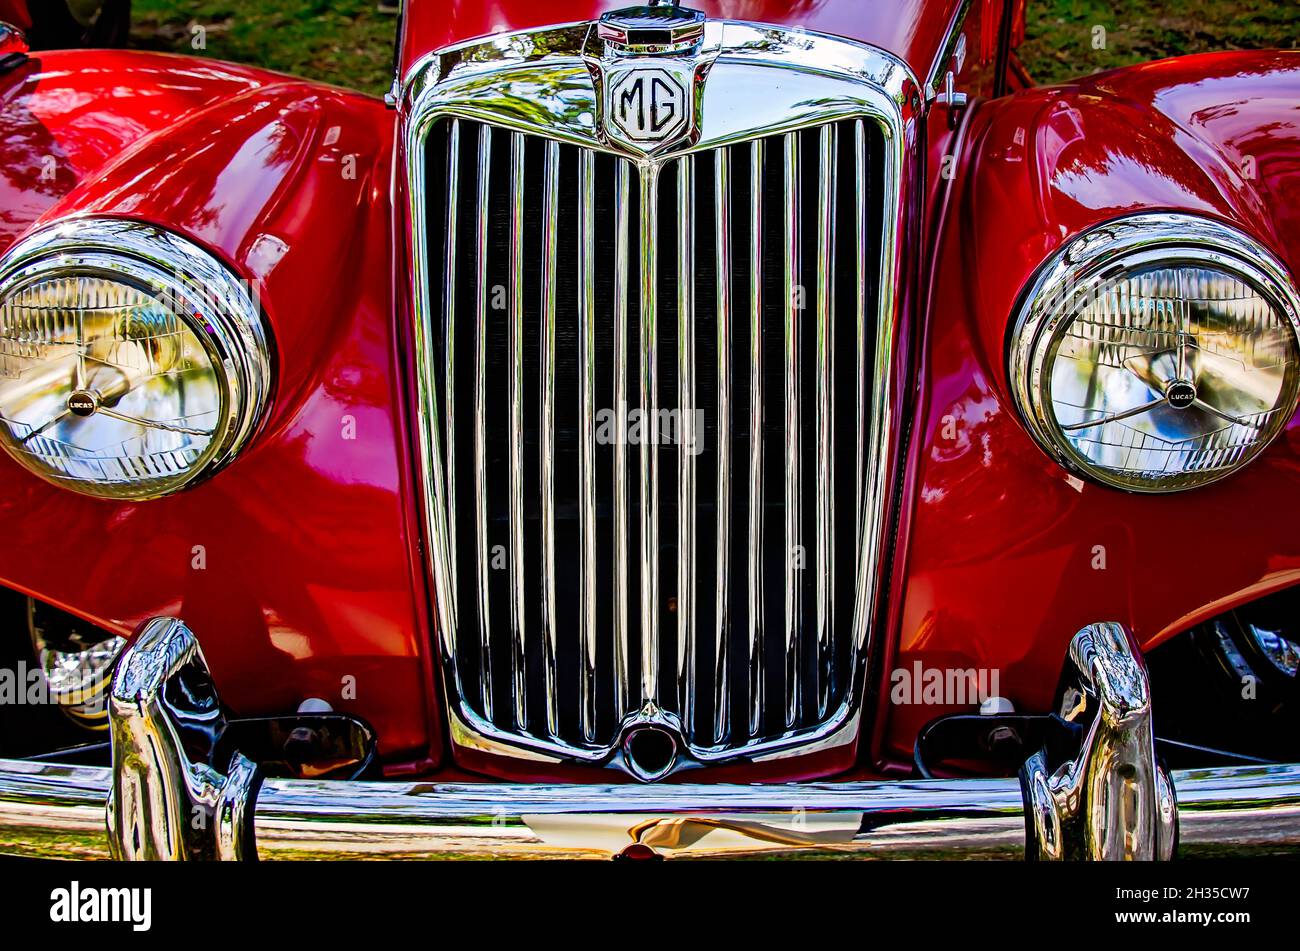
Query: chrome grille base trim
(825, 80)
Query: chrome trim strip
(936, 818)
(1237, 810)
(449, 389)
(1110, 801)
(622, 650)
(428, 432)
(860, 315)
(649, 534)
(824, 79)
(519, 642)
(546, 429)
(480, 423)
(881, 436)
(53, 810)
(722, 498)
(755, 620)
(587, 453)
(686, 446)
(794, 555)
(946, 51)
(825, 501)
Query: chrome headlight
(1158, 352)
(132, 362)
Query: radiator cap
(652, 29)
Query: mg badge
(648, 106)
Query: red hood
(911, 29)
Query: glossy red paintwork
(313, 564)
(15, 13)
(1001, 549)
(307, 586)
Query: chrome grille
(715, 579)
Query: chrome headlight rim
(143, 255)
(1104, 251)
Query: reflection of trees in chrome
(562, 99)
(525, 47)
(773, 40)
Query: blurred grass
(1059, 33)
(349, 43)
(345, 42)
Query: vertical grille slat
(686, 654)
(757, 671)
(518, 624)
(449, 355)
(722, 498)
(622, 647)
(825, 501)
(860, 321)
(868, 421)
(599, 318)
(546, 434)
(793, 554)
(480, 419)
(587, 436)
(649, 480)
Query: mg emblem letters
(648, 104)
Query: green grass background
(350, 43)
(345, 42)
(1058, 33)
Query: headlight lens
(1158, 353)
(131, 361)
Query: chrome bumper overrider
(1110, 801)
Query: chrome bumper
(1109, 801)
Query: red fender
(14, 12)
(1004, 552)
(294, 567)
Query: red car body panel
(313, 581)
(14, 12)
(1002, 543)
(306, 586)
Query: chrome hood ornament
(649, 62)
(654, 29)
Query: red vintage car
(749, 427)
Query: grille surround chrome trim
(558, 80)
